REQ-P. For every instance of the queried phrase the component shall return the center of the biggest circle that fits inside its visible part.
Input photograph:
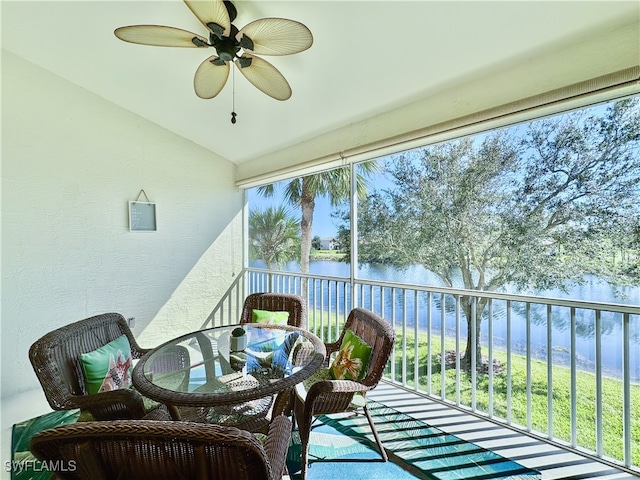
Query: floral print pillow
(109, 367)
(352, 360)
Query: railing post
(574, 381)
(474, 350)
(626, 393)
(353, 224)
(490, 347)
(404, 338)
(529, 379)
(416, 341)
(509, 382)
(429, 353)
(457, 307)
(525, 308)
(443, 360)
(393, 325)
(549, 373)
(599, 446)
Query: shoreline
(331, 255)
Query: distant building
(329, 243)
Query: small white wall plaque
(142, 215)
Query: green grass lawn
(326, 255)
(612, 400)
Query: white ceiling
(368, 57)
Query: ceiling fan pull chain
(233, 95)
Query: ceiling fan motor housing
(226, 47)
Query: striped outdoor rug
(424, 451)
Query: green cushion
(319, 375)
(261, 437)
(352, 360)
(109, 367)
(265, 316)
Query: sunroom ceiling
(368, 58)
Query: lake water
(592, 290)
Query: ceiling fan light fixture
(226, 51)
(267, 36)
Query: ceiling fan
(267, 36)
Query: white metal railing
(528, 341)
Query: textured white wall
(70, 163)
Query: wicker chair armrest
(303, 353)
(99, 404)
(331, 348)
(138, 352)
(277, 444)
(283, 403)
(336, 386)
(331, 396)
(327, 395)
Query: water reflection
(396, 305)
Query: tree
(274, 236)
(535, 210)
(303, 191)
(316, 243)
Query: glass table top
(207, 367)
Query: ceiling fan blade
(160, 36)
(210, 78)
(276, 36)
(264, 76)
(212, 13)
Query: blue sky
(323, 223)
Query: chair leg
(383, 452)
(304, 430)
(304, 458)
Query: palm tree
(303, 191)
(274, 236)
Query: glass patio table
(213, 378)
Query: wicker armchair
(157, 450)
(276, 302)
(322, 396)
(56, 361)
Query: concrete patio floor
(551, 461)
